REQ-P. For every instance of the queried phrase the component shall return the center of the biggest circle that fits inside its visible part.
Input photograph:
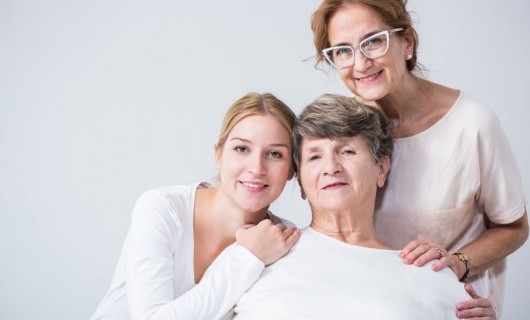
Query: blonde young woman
(165, 270)
(454, 191)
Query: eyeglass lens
(372, 47)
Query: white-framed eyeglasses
(373, 47)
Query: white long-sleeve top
(154, 278)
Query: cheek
(228, 168)
(346, 76)
(308, 180)
(283, 171)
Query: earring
(409, 57)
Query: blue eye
(373, 43)
(313, 158)
(342, 52)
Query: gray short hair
(334, 116)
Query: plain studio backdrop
(102, 100)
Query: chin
(372, 95)
(253, 207)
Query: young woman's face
(340, 174)
(372, 79)
(255, 162)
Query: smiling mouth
(252, 185)
(369, 77)
(334, 185)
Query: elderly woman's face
(372, 79)
(338, 174)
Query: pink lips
(370, 78)
(253, 186)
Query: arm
(157, 272)
(496, 243)
(157, 269)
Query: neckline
(344, 244)
(437, 123)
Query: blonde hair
(392, 12)
(255, 104)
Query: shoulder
(470, 113)
(169, 203)
(276, 219)
(178, 195)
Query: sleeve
(501, 191)
(151, 274)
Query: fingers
(267, 241)
(291, 239)
(242, 229)
(419, 252)
(477, 312)
(477, 308)
(448, 261)
(471, 291)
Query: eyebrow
(364, 37)
(313, 149)
(277, 145)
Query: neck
(225, 217)
(354, 228)
(416, 105)
(406, 101)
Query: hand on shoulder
(267, 241)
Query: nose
(332, 166)
(256, 165)
(360, 62)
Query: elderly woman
(340, 269)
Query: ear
(384, 166)
(409, 43)
(218, 155)
(302, 193)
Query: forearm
(495, 244)
(212, 298)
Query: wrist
(462, 257)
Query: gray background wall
(101, 100)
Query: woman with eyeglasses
(454, 190)
(167, 269)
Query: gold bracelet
(465, 259)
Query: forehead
(353, 23)
(262, 127)
(310, 144)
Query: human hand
(419, 252)
(477, 308)
(267, 241)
